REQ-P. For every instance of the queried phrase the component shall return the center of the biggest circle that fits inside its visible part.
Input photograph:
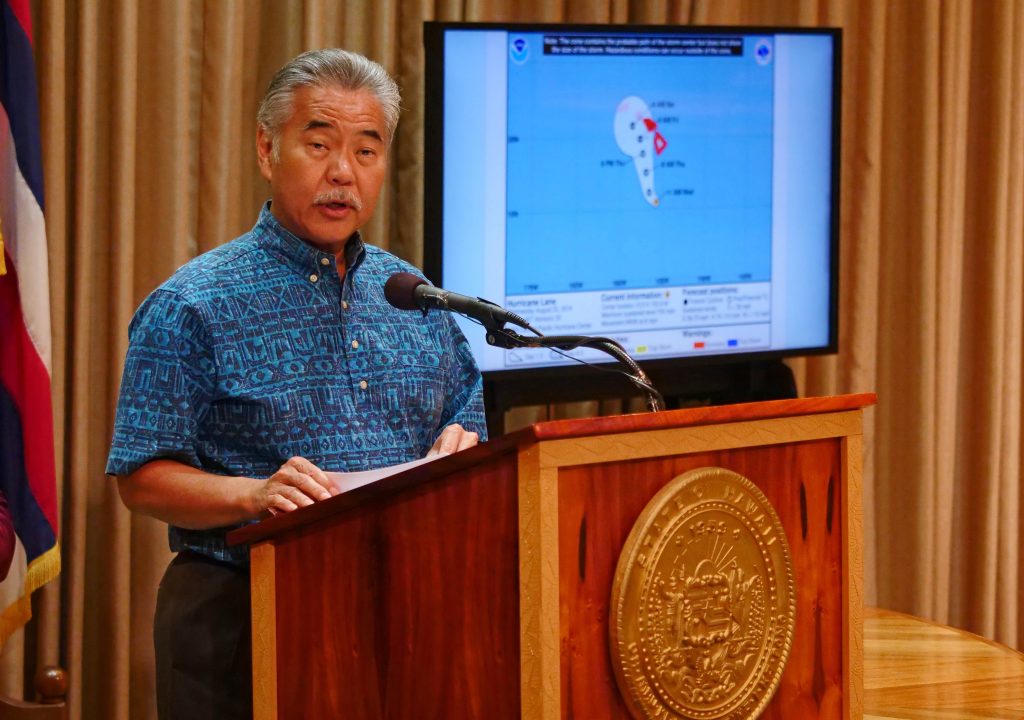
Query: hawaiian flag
(27, 471)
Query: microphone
(406, 291)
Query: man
(262, 363)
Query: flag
(27, 470)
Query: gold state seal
(703, 605)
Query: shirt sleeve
(464, 400)
(167, 386)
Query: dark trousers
(203, 641)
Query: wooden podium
(478, 585)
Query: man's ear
(264, 153)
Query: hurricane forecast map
(646, 146)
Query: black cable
(655, 400)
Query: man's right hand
(197, 500)
(296, 484)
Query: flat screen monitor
(673, 188)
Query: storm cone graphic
(637, 135)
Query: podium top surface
(689, 417)
(542, 432)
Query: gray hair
(324, 68)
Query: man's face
(326, 180)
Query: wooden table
(916, 669)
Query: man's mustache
(339, 196)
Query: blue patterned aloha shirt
(256, 352)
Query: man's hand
(194, 499)
(452, 439)
(296, 484)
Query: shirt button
(363, 385)
(344, 304)
(325, 261)
(355, 344)
(312, 278)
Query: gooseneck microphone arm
(406, 291)
(504, 338)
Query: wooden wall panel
(431, 576)
(598, 505)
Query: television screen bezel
(433, 184)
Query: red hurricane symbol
(659, 140)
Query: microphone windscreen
(400, 290)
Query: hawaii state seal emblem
(703, 603)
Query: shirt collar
(296, 252)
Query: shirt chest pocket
(410, 383)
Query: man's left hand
(452, 439)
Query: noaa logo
(763, 51)
(519, 49)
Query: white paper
(351, 480)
